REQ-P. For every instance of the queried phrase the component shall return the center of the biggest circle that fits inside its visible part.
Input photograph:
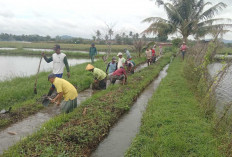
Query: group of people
(151, 54)
(115, 70)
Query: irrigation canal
(122, 134)
(33, 123)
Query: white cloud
(78, 17)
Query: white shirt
(121, 61)
(58, 63)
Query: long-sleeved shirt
(92, 51)
(59, 61)
(128, 55)
(121, 62)
(112, 67)
(99, 74)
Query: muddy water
(122, 134)
(33, 123)
(21, 66)
(224, 90)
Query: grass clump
(173, 124)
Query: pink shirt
(120, 72)
(183, 47)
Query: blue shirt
(112, 67)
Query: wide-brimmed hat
(119, 54)
(89, 67)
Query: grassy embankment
(78, 133)
(19, 94)
(173, 124)
(48, 45)
(23, 52)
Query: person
(119, 74)
(64, 89)
(149, 56)
(112, 66)
(130, 66)
(161, 50)
(99, 77)
(153, 55)
(59, 61)
(121, 60)
(92, 52)
(183, 49)
(128, 55)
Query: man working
(66, 90)
(130, 66)
(59, 61)
(128, 56)
(112, 66)
(121, 60)
(99, 77)
(92, 52)
(119, 74)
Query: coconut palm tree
(188, 17)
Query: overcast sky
(81, 18)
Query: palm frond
(212, 11)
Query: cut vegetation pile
(78, 133)
(173, 124)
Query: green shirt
(99, 74)
(92, 51)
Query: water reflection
(224, 90)
(21, 66)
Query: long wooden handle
(37, 72)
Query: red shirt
(153, 52)
(120, 72)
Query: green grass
(76, 134)
(19, 94)
(38, 53)
(50, 45)
(173, 124)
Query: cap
(121, 66)
(51, 76)
(92, 44)
(89, 67)
(120, 53)
(56, 47)
(114, 59)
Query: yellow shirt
(69, 91)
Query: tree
(98, 34)
(188, 17)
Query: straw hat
(89, 67)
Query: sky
(82, 18)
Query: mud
(122, 134)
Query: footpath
(173, 124)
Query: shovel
(35, 89)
